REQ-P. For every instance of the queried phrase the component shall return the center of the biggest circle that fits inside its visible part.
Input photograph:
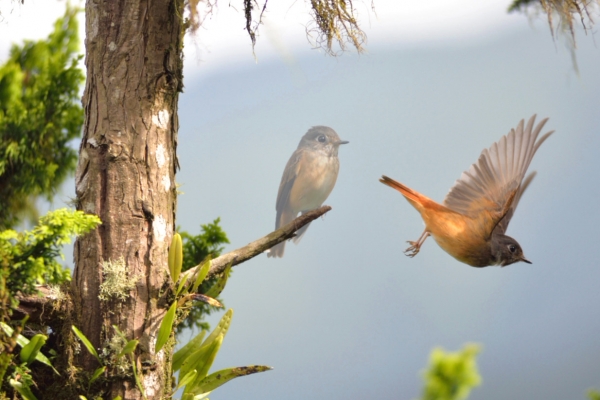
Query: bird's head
(506, 251)
(322, 138)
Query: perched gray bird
(307, 180)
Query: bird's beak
(342, 142)
(526, 260)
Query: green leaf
(219, 285)
(223, 376)
(30, 351)
(129, 347)
(138, 382)
(23, 389)
(186, 379)
(97, 374)
(88, 345)
(183, 282)
(222, 327)
(192, 346)
(204, 268)
(175, 257)
(201, 361)
(166, 327)
(23, 341)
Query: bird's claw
(413, 250)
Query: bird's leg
(414, 248)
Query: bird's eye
(512, 248)
(321, 138)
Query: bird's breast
(460, 237)
(315, 181)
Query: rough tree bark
(126, 175)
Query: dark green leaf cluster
(195, 249)
(39, 115)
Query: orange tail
(415, 198)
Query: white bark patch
(112, 46)
(150, 384)
(160, 228)
(161, 155)
(92, 142)
(161, 119)
(166, 181)
(94, 17)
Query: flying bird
(471, 222)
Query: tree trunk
(126, 176)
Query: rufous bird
(471, 222)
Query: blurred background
(345, 314)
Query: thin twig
(257, 247)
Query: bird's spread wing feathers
(495, 179)
(503, 223)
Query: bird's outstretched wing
(493, 185)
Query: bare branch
(257, 247)
(47, 304)
(42, 307)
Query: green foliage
(451, 376)
(113, 356)
(593, 394)
(166, 327)
(29, 258)
(26, 260)
(21, 380)
(194, 360)
(86, 342)
(195, 249)
(24, 342)
(175, 257)
(209, 242)
(40, 113)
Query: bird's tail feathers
(277, 250)
(300, 232)
(415, 198)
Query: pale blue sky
(345, 314)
